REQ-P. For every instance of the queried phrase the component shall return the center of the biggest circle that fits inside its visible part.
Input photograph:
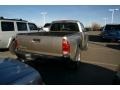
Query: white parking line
(100, 63)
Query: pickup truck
(65, 40)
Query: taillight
(65, 46)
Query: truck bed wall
(48, 33)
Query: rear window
(32, 26)
(21, 26)
(64, 27)
(112, 27)
(7, 26)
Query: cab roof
(60, 21)
(2, 18)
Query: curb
(96, 43)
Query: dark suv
(111, 32)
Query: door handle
(36, 40)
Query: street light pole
(44, 14)
(113, 11)
(105, 20)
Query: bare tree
(95, 26)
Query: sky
(87, 14)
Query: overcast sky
(85, 13)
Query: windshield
(64, 27)
(112, 27)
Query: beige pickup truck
(65, 40)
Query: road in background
(102, 56)
(102, 53)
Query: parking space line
(100, 63)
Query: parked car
(46, 27)
(14, 72)
(111, 32)
(66, 39)
(10, 27)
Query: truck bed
(59, 34)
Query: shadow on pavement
(3, 50)
(56, 72)
(114, 46)
(96, 38)
(99, 41)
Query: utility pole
(44, 15)
(113, 11)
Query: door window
(7, 26)
(22, 26)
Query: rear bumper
(33, 56)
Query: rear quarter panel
(75, 41)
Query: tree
(96, 27)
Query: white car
(46, 27)
(10, 27)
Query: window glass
(7, 26)
(64, 27)
(32, 26)
(112, 27)
(21, 26)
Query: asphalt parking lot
(102, 53)
(57, 73)
(98, 65)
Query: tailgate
(45, 45)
